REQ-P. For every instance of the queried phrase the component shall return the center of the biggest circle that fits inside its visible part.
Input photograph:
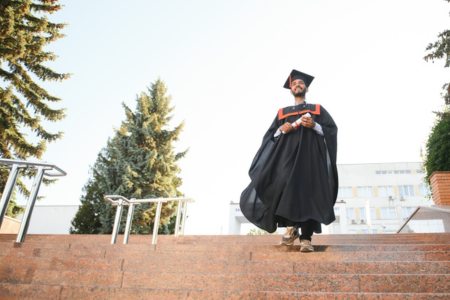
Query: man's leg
(305, 237)
(289, 236)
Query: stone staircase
(382, 266)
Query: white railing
(43, 169)
(121, 201)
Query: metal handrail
(43, 169)
(120, 201)
(26, 164)
(438, 209)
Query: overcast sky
(224, 63)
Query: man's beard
(300, 94)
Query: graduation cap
(307, 79)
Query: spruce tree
(138, 162)
(25, 31)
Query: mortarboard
(307, 79)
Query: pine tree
(438, 144)
(138, 162)
(25, 31)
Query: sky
(224, 63)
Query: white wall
(52, 219)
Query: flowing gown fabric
(294, 176)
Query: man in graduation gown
(294, 180)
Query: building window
(388, 213)
(385, 191)
(345, 192)
(402, 172)
(407, 211)
(373, 213)
(362, 214)
(337, 210)
(424, 189)
(351, 217)
(393, 172)
(364, 191)
(406, 190)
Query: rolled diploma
(294, 124)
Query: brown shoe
(305, 246)
(289, 236)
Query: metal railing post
(117, 221)
(7, 191)
(183, 220)
(177, 222)
(120, 201)
(30, 205)
(156, 224)
(128, 224)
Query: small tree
(24, 33)
(438, 144)
(138, 162)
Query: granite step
(384, 283)
(281, 248)
(353, 256)
(62, 263)
(29, 264)
(40, 291)
(226, 247)
(291, 254)
(415, 238)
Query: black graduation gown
(294, 176)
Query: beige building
(378, 197)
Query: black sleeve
(264, 149)
(330, 133)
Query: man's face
(298, 87)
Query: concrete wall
(52, 219)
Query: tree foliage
(138, 162)
(25, 31)
(440, 49)
(438, 144)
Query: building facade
(378, 197)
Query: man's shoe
(289, 236)
(305, 246)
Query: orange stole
(282, 115)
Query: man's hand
(308, 122)
(286, 128)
